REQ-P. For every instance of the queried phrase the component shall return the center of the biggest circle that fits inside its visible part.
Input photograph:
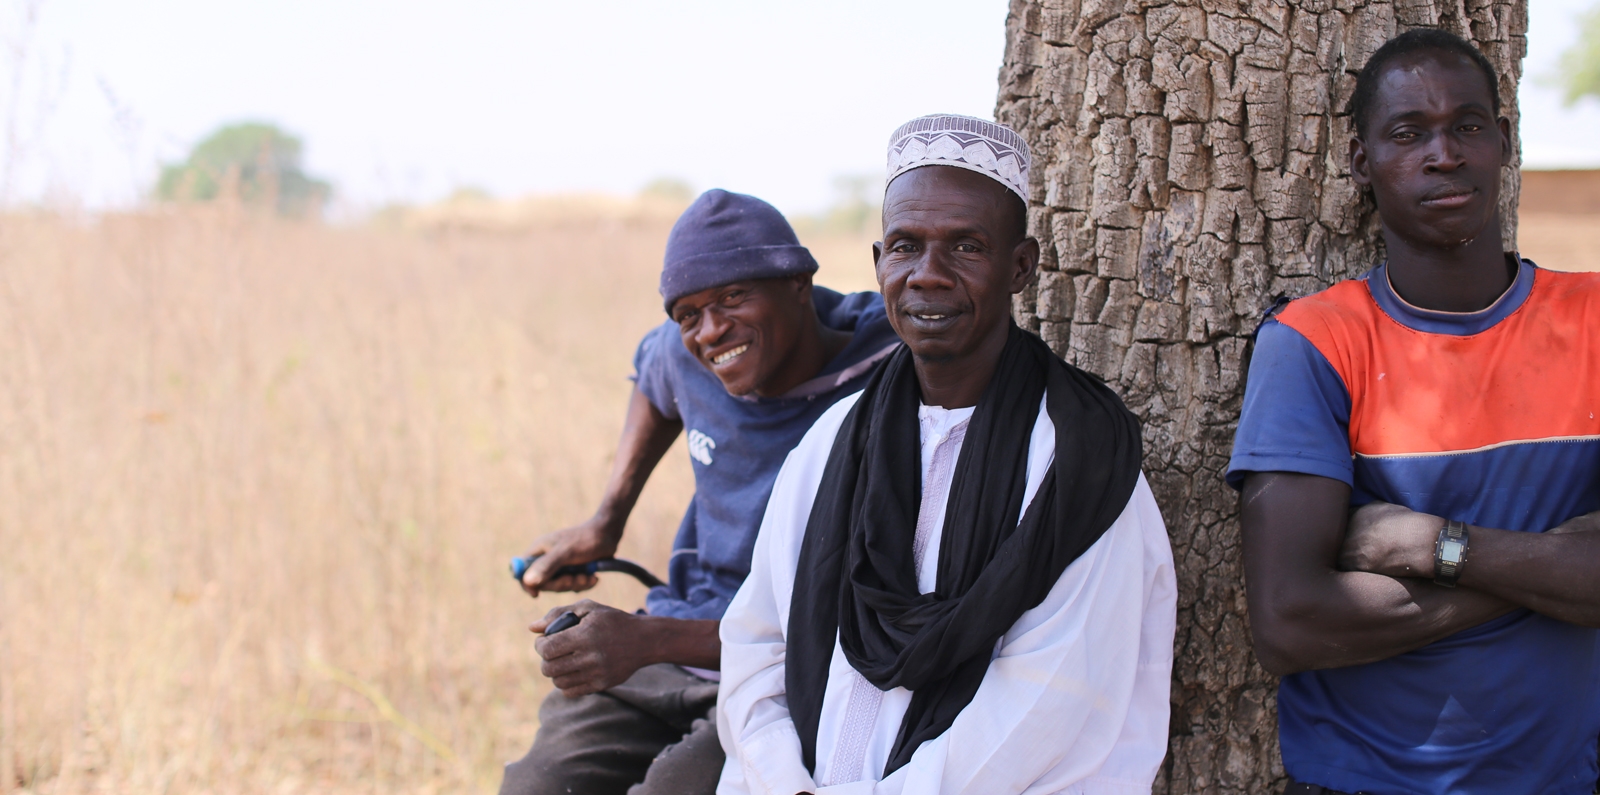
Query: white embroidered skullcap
(945, 139)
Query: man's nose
(931, 271)
(712, 327)
(1444, 153)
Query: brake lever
(565, 621)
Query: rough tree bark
(1189, 165)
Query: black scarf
(991, 569)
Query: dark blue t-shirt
(737, 445)
(1489, 418)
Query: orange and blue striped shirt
(1491, 418)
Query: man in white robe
(1043, 650)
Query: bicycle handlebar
(519, 567)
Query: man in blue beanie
(752, 355)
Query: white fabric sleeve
(1077, 699)
(753, 720)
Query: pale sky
(401, 101)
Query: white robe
(1076, 696)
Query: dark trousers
(652, 734)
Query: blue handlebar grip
(519, 567)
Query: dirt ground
(1558, 223)
(1560, 241)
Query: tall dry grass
(259, 480)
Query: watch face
(1450, 551)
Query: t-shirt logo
(700, 447)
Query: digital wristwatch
(1450, 553)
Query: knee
(529, 776)
(691, 766)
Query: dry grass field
(259, 481)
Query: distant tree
(469, 194)
(853, 205)
(1580, 65)
(257, 162)
(670, 189)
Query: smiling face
(1432, 150)
(954, 251)
(746, 333)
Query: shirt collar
(1458, 324)
(938, 421)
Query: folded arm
(1306, 613)
(1556, 573)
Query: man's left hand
(605, 648)
(1391, 540)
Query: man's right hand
(581, 543)
(608, 645)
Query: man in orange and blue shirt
(1442, 638)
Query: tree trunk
(1191, 164)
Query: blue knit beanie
(728, 237)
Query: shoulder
(1292, 363)
(1345, 307)
(1568, 291)
(1277, 339)
(1141, 517)
(658, 367)
(872, 338)
(1339, 323)
(819, 438)
(657, 344)
(855, 312)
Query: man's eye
(1405, 135)
(966, 248)
(733, 296)
(903, 248)
(1471, 127)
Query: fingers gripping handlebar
(519, 567)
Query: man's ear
(1505, 140)
(802, 287)
(1358, 162)
(1026, 259)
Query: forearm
(1352, 618)
(689, 642)
(647, 434)
(1557, 575)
